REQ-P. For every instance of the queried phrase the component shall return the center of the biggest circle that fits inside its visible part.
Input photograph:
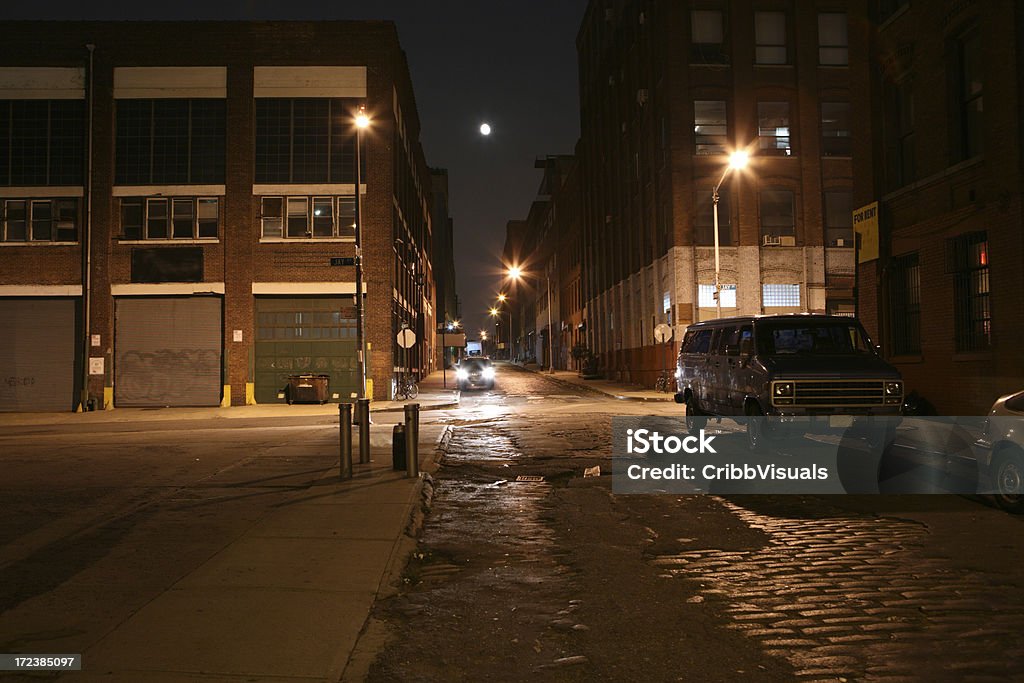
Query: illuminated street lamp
(737, 160)
(495, 313)
(516, 273)
(362, 121)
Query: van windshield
(812, 337)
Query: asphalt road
(558, 579)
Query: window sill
(305, 240)
(38, 243)
(205, 240)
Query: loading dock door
(167, 352)
(38, 347)
(311, 335)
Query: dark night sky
(512, 64)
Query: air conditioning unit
(771, 241)
(787, 241)
(841, 242)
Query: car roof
(773, 316)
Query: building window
(887, 8)
(707, 37)
(40, 220)
(971, 89)
(706, 296)
(170, 141)
(780, 295)
(971, 308)
(704, 232)
(899, 133)
(41, 142)
(308, 217)
(773, 128)
(833, 40)
(835, 129)
(906, 305)
(839, 218)
(770, 38)
(161, 218)
(710, 130)
(305, 141)
(777, 213)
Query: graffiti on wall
(167, 375)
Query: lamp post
(516, 273)
(502, 298)
(737, 160)
(362, 121)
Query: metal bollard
(345, 436)
(412, 440)
(364, 430)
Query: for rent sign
(865, 224)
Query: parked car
(1001, 451)
(820, 367)
(476, 371)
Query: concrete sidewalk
(288, 599)
(432, 396)
(619, 390)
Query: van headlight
(488, 373)
(461, 373)
(893, 388)
(782, 389)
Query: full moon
(485, 129)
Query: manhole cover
(529, 477)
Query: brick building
(667, 91)
(943, 112)
(214, 192)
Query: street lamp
(362, 121)
(516, 273)
(495, 313)
(737, 160)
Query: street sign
(406, 338)
(662, 333)
(343, 261)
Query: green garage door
(310, 335)
(38, 351)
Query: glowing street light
(362, 122)
(737, 161)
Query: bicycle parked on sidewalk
(406, 388)
(666, 381)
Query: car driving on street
(476, 371)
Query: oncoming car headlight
(462, 373)
(782, 389)
(488, 373)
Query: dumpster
(398, 447)
(307, 388)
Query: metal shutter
(167, 352)
(37, 354)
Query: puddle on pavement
(855, 597)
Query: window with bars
(305, 140)
(770, 38)
(162, 218)
(773, 128)
(170, 141)
(710, 130)
(835, 129)
(704, 218)
(968, 258)
(707, 37)
(833, 39)
(906, 304)
(40, 220)
(780, 295)
(41, 142)
(308, 217)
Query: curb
(436, 406)
(585, 387)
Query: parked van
(817, 366)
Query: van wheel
(758, 433)
(1008, 476)
(695, 420)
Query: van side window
(716, 337)
(730, 341)
(701, 342)
(746, 344)
(687, 344)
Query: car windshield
(815, 337)
(475, 364)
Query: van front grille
(839, 392)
